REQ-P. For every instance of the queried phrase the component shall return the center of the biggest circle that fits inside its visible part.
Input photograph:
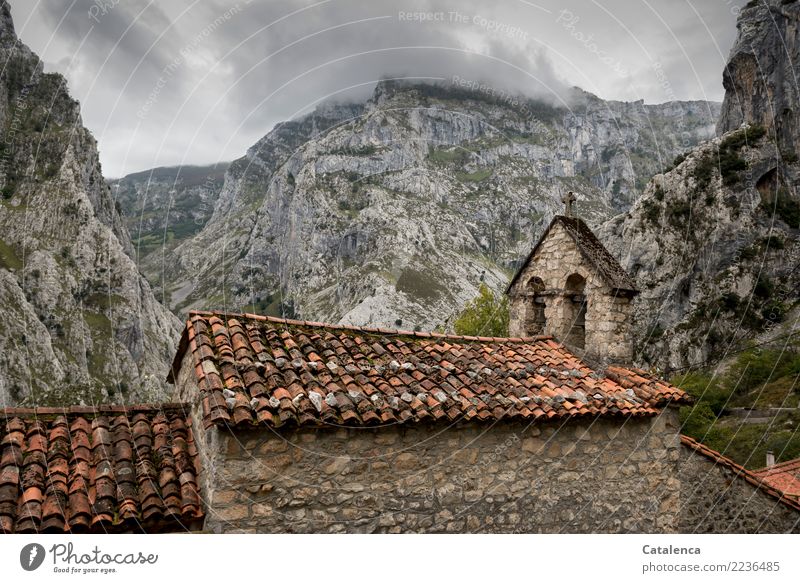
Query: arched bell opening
(535, 320)
(575, 311)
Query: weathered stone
(546, 491)
(335, 465)
(406, 461)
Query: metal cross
(568, 199)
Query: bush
(706, 388)
(486, 315)
(696, 420)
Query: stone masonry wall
(583, 476)
(608, 317)
(714, 500)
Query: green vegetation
(477, 176)
(453, 155)
(486, 315)
(760, 378)
(652, 211)
(727, 160)
(365, 150)
(8, 258)
(418, 284)
(274, 305)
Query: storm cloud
(199, 81)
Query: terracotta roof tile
(784, 477)
(104, 469)
(360, 376)
(757, 478)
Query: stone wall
(583, 476)
(715, 500)
(608, 316)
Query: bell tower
(570, 287)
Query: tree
(486, 315)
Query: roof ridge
(781, 465)
(6, 412)
(369, 330)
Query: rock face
(394, 211)
(761, 76)
(165, 206)
(79, 322)
(713, 243)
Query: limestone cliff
(713, 243)
(79, 322)
(393, 211)
(761, 77)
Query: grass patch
(477, 176)
(454, 155)
(8, 258)
(418, 284)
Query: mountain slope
(713, 242)
(79, 322)
(165, 206)
(394, 211)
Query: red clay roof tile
(104, 469)
(784, 477)
(757, 479)
(290, 372)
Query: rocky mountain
(80, 324)
(165, 206)
(713, 242)
(392, 212)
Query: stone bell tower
(570, 287)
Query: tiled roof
(592, 249)
(257, 369)
(103, 469)
(784, 477)
(751, 477)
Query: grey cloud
(203, 93)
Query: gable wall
(582, 476)
(608, 318)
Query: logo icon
(31, 556)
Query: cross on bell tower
(568, 199)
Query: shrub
(486, 315)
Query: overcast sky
(199, 81)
